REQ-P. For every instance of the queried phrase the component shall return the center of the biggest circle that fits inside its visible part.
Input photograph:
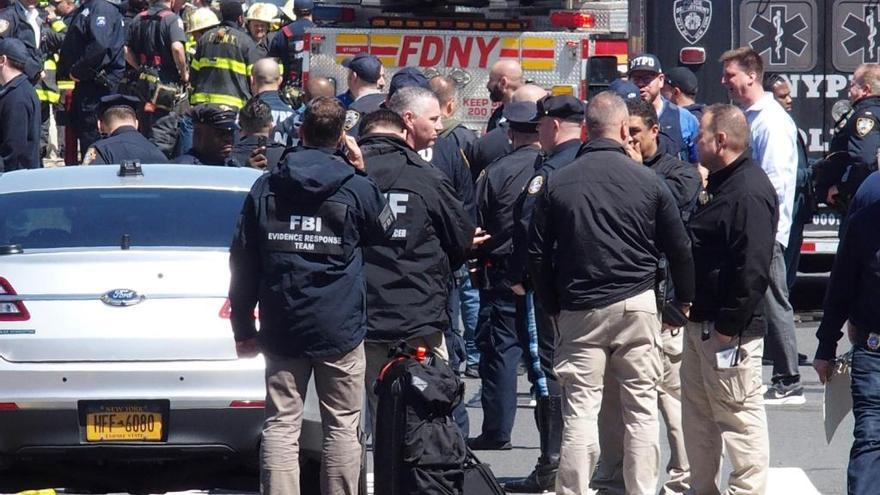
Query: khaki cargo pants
(608, 477)
(339, 382)
(623, 338)
(724, 408)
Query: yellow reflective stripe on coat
(58, 26)
(48, 96)
(49, 65)
(216, 98)
(223, 64)
(66, 84)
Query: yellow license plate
(124, 424)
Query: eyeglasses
(644, 78)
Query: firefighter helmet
(263, 12)
(287, 10)
(202, 19)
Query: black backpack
(418, 448)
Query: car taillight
(226, 311)
(692, 55)
(572, 20)
(248, 404)
(8, 406)
(11, 309)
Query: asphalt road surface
(801, 461)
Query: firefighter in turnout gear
(156, 49)
(287, 45)
(223, 60)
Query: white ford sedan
(115, 341)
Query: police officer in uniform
(223, 60)
(366, 76)
(92, 55)
(21, 21)
(852, 154)
(502, 321)
(19, 110)
(156, 48)
(298, 252)
(119, 123)
(212, 136)
(852, 296)
(287, 45)
(560, 123)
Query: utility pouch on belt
(146, 83)
(165, 96)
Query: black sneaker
(472, 371)
(784, 394)
(482, 443)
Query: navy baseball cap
(683, 79)
(303, 5)
(118, 100)
(406, 77)
(565, 107)
(216, 116)
(645, 62)
(626, 89)
(366, 66)
(14, 50)
(522, 116)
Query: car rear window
(100, 217)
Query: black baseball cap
(216, 116)
(117, 100)
(366, 66)
(14, 50)
(645, 62)
(522, 116)
(565, 107)
(407, 77)
(683, 79)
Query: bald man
(318, 87)
(265, 85)
(505, 78)
(496, 143)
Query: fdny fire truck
(576, 48)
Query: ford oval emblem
(121, 297)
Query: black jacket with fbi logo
(298, 253)
(408, 275)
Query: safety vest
(221, 67)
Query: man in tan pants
(594, 245)
(733, 232)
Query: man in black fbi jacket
(502, 322)
(733, 234)
(298, 253)
(408, 275)
(118, 122)
(598, 231)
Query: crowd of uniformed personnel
(154, 64)
(622, 288)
